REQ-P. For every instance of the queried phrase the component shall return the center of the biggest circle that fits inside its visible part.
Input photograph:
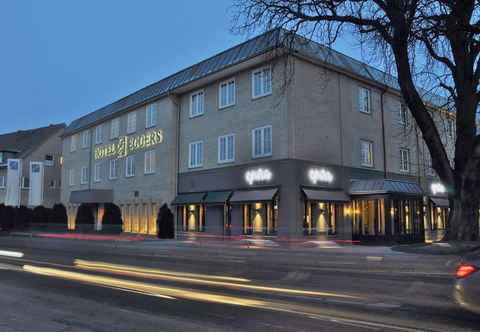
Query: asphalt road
(78, 286)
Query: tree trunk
(463, 219)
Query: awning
(217, 197)
(258, 195)
(194, 198)
(91, 196)
(326, 195)
(440, 202)
(385, 186)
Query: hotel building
(258, 140)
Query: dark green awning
(326, 195)
(440, 201)
(194, 198)
(257, 195)
(217, 197)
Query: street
(80, 286)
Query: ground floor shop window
(260, 218)
(321, 217)
(406, 216)
(140, 218)
(368, 217)
(439, 217)
(193, 217)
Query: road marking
(374, 258)
(14, 254)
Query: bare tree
(429, 41)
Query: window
(73, 143)
(49, 160)
(25, 182)
(261, 82)
(130, 166)
(2, 181)
(151, 116)
(197, 103)
(450, 128)
(227, 93)
(85, 139)
(99, 134)
(114, 128)
(1, 158)
(84, 175)
(262, 142)
(403, 116)
(364, 100)
(404, 160)
(113, 169)
(71, 177)
(52, 184)
(226, 148)
(149, 162)
(131, 122)
(97, 174)
(195, 158)
(366, 153)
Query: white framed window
(197, 103)
(261, 82)
(73, 143)
(366, 153)
(113, 169)
(131, 122)
(84, 175)
(71, 177)
(149, 162)
(403, 116)
(114, 128)
(364, 100)
(450, 128)
(262, 142)
(404, 160)
(49, 160)
(195, 154)
(130, 166)
(97, 172)
(86, 139)
(25, 182)
(3, 181)
(226, 93)
(99, 134)
(226, 148)
(151, 115)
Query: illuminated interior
(259, 218)
(321, 217)
(191, 217)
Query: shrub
(165, 226)
(112, 215)
(7, 218)
(84, 215)
(40, 215)
(58, 215)
(23, 216)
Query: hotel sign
(129, 144)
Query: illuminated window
(195, 155)
(85, 139)
(197, 103)
(261, 82)
(364, 100)
(149, 162)
(226, 148)
(404, 160)
(97, 174)
(84, 175)
(25, 182)
(73, 143)
(151, 115)
(114, 128)
(403, 115)
(71, 177)
(262, 142)
(227, 93)
(2, 181)
(130, 166)
(113, 169)
(99, 134)
(131, 122)
(366, 153)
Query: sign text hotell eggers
(128, 144)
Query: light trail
(157, 274)
(14, 254)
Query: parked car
(467, 282)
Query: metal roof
(384, 186)
(254, 47)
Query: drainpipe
(382, 110)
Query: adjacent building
(30, 166)
(262, 140)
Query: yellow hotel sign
(127, 145)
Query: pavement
(106, 285)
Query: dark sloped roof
(23, 141)
(384, 186)
(254, 47)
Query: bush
(40, 215)
(84, 215)
(112, 215)
(58, 215)
(165, 225)
(23, 215)
(7, 218)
